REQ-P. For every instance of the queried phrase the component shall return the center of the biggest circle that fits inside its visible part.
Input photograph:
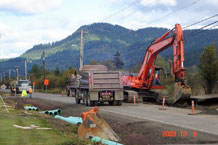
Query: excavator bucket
(181, 93)
(94, 125)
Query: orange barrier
(134, 100)
(164, 98)
(193, 107)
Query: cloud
(158, 2)
(14, 41)
(28, 6)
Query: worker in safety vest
(24, 94)
(30, 92)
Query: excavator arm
(158, 46)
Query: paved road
(54, 97)
(172, 116)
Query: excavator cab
(159, 77)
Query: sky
(25, 23)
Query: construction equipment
(20, 86)
(96, 84)
(145, 84)
(93, 125)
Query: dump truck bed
(106, 80)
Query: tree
(109, 64)
(118, 62)
(208, 65)
(36, 71)
(57, 71)
(94, 62)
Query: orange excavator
(147, 82)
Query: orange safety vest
(30, 90)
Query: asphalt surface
(149, 120)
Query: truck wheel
(115, 103)
(120, 103)
(86, 101)
(77, 100)
(111, 102)
(95, 103)
(90, 103)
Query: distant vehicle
(96, 85)
(20, 86)
(3, 86)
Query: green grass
(10, 135)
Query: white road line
(164, 122)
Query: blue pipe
(70, 119)
(104, 141)
(52, 112)
(31, 108)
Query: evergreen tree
(36, 71)
(208, 65)
(57, 71)
(118, 62)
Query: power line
(200, 29)
(119, 11)
(175, 11)
(200, 21)
(213, 27)
(132, 13)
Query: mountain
(102, 40)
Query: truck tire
(77, 100)
(68, 93)
(111, 102)
(95, 103)
(117, 103)
(86, 101)
(120, 103)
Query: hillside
(101, 43)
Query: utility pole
(1, 77)
(43, 55)
(17, 69)
(9, 74)
(81, 51)
(25, 70)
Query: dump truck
(96, 84)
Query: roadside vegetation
(62, 133)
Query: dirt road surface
(143, 124)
